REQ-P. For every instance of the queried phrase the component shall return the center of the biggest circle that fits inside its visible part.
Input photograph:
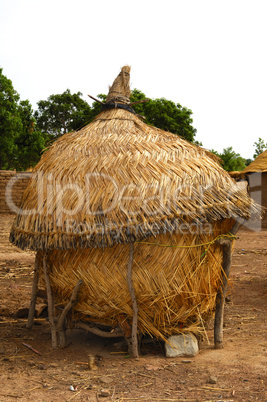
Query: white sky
(208, 55)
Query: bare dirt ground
(235, 373)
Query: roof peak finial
(120, 89)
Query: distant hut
(133, 228)
(256, 176)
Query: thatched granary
(254, 180)
(132, 227)
(256, 176)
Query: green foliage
(10, 122)
(62, 113)
(260, 146)
(20, 143)
(248, 161)
(165, 114)
(31, 142)
(96, 106)
(231, 161)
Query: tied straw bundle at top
(118, 181)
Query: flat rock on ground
(181, 345)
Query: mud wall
(12, 186)
(258, 191)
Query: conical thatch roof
(258, 165)
(119, 180)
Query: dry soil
(235, 373)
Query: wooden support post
(61, 322)
(220, 298)
(50, 302)
(34, 295)
(134, 340)
(236, 228)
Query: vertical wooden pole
(34, 295)
(50, 302)
(134, 341)
(220, 299)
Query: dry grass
(122, 181)
(175, 286)
(120, 90)
(258, 165)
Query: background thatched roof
(119, 180)
(258, 165)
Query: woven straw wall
(175, 286)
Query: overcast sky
(208, 55)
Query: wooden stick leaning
(220, 298)
(94, 330)
(141, 101)
(60, 325)
(31, 348)
(134, 340)
(33, 295)
(95, 99)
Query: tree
(62, 113)
(231, 161)
(31, 141)
(165, 114)
(248, 161)
(260, 146)
(20, 143)
(10, 122)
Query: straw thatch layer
(258, 165)
(175, 287)
(119, 180)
